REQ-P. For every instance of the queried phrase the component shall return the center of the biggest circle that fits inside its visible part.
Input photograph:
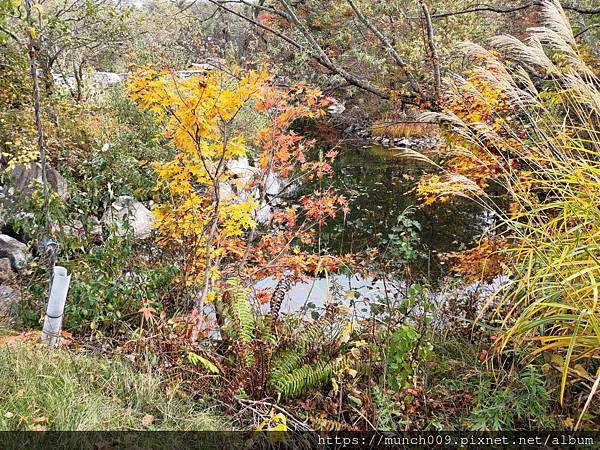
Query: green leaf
(196, 360)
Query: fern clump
(269, 356)
(240, 313)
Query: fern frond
(277, 298)
(305, 377)
(324, 334)
(240, 312)
(282, 365)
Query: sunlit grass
(400, 129)
(61, 390)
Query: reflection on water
(356, 291)
(378, 184)
(364, 296)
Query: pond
(378, 183)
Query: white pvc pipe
(56, 306)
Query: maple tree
(213, 204)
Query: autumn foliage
(526, 120)
(223, 217)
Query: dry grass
(401, 129)
(554, 225)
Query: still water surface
(378, 183)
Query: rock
(9, 299)
(95, 226)
(126, 212)
(385, 141)
(404, 142)
(22, 180)
(243, 171)
(15, 251)
(6, 273)
(336, 108)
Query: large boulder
(9, 299)
(127, 213)
(6, 272)
(15, 251)
(25, 179)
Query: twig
(389, 47)
(435, 61)
(11, 35)
(505, 10)
(300, 426)
(595, 25)
(321, 56)
(258, 24)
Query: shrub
(130, 139)
(522, 404)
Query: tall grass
(65, 391)
(548, 146)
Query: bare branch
(322, 57)
(587, 28)
(435, 61)
(478, 8)
(315, 51)
(258, 24)
(587, 36)
(581, 9)
(506, 10)
(256, 6)
(12, 35)
(389, 47)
